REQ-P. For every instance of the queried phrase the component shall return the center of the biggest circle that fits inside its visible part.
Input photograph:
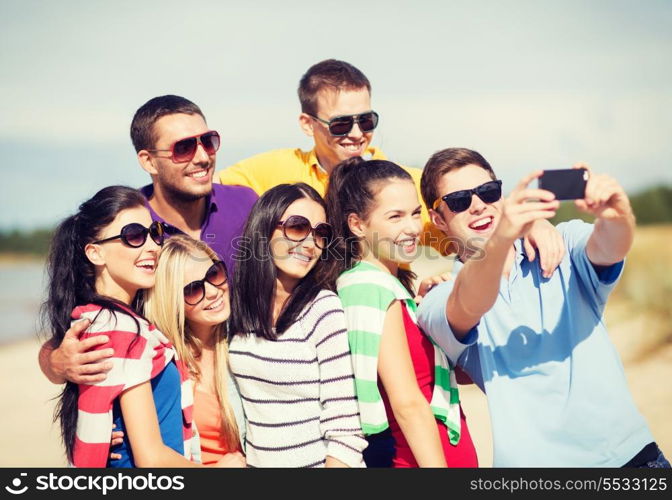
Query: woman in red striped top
(100, 259)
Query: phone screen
(566, 184)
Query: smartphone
(565, 184)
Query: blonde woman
(190, 305)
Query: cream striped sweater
(298, 391)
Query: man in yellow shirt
(334, 96)
(336, 112)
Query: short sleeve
(433, 321)
(366, 305)
(94, 404)
(260, 172)
(137, 357)
(240, 174)
(600, 281)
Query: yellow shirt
(266, 170)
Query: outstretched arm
(615, 224)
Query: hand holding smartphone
(565, 184)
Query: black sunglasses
(135, 235)
(216, 275)
(459, 201)
(185, 149)
(297, 228)
(342, 125)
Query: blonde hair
(164, 307)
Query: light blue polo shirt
(556, 389)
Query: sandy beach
(27, 407)
(32, 440)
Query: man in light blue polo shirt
(537, 346)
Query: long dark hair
(255, 275)
(72, 280)
(353, 185)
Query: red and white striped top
(138, 357)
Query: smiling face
(479, 220)
(332, 150)
(120, 269)
(214, 309)
(293, 260)
(187, 181)
(392, 229)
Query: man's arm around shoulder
(76, 360)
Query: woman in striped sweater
(289, 347)
(99, 260)
(407, 390)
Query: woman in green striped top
(406, 389)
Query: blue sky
(529, 84)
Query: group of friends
(267, 315)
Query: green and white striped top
(366, 293)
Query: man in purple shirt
(177, 149)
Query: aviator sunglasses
(342, 125)
(185, 149)
(297, 228)
(459, 201)
(216, 275)
(135, 235)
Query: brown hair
(353, 187)
(443, 162)
(142, 126)
(329, 74)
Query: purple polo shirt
(226, 212)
